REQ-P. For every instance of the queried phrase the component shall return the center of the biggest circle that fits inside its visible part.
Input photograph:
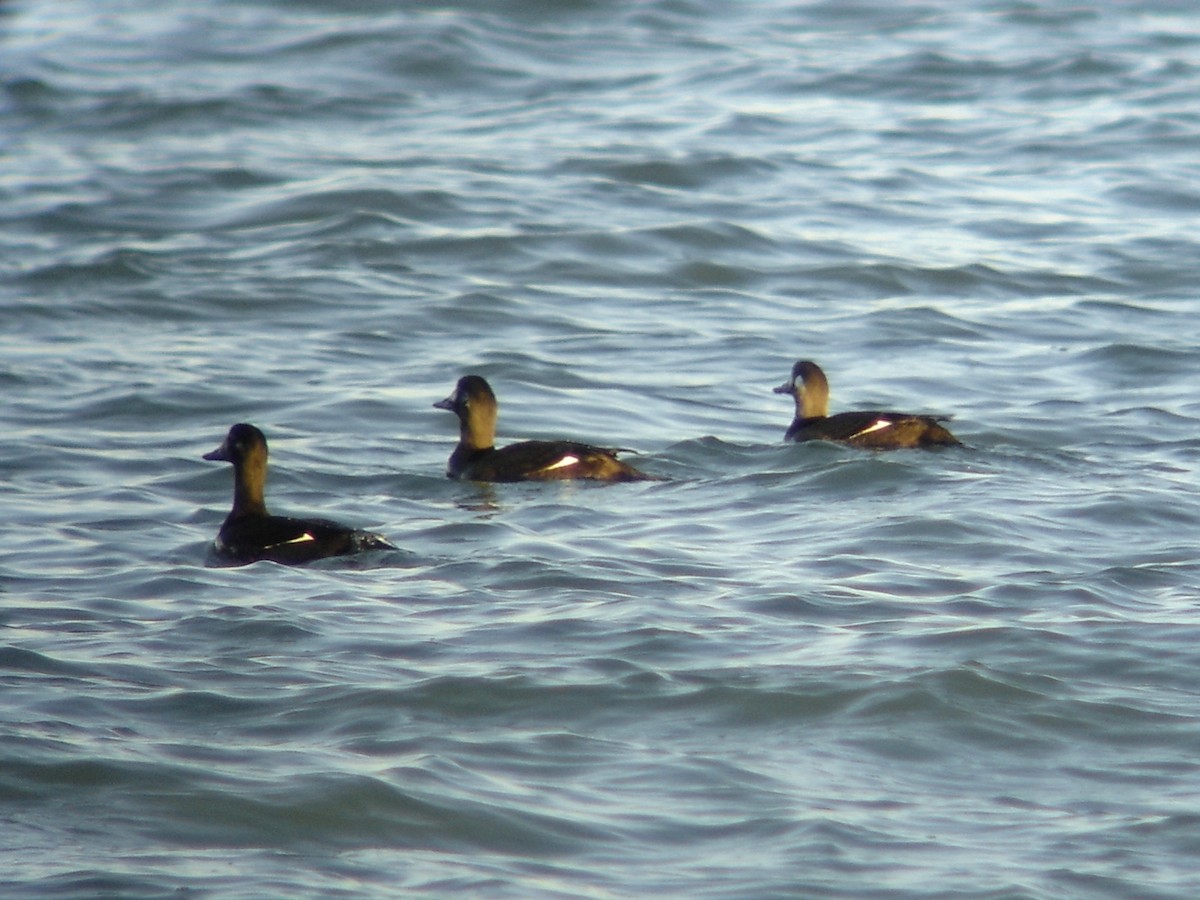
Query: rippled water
(784, 670)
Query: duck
(250, 533)
(874, 430)
(476, 458)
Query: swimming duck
(477, 459)
(250, 533)
(869, 429)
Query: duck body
(283, 539)
(477, 459)
(540, 461)
(873, 430)
(868, 429)
(250, 533)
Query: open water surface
(782, 671)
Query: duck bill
(448, 403)
(785, 388)
(221, 454)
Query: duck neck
(250, 479)
(812, 402)
(478, 429)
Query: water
(786, 670)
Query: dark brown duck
(476, 457)
(250, 533)
(871, 429)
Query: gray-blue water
(785, 671)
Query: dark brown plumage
(250, 533)
(872, 429)
(477, 459)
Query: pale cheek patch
(877, 425)
(562, 463)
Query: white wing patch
(877, 425)
(301, 539)
(567, 460)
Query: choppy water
(786, 671)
